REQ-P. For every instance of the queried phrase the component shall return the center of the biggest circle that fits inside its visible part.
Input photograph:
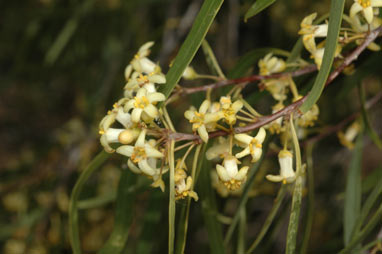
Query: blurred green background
(61, 68)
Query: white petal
(376, 3)
(256, 154)
(204, 107)
(152, 152)
(141, 92)
(124, 118)
(243, 138)
(230, 165)
(145, 167)
(242, 174)
(203, 133)
(141, 139)
(274, 178)
(159, 79)
(133, 168)
(189, 114)
(145, 47)
(112, 134)
(354, 9)
(368, 14)
(147, 66)
(150, 87)
(222, 173)
(243, 153)
(128, 71)
(129, 105)
(136, 115)
(125, 150)
(151, 110)
(261, 135)
(154, 97)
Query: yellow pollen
(143, 79)
(141, 102)
(115, 105)
(137, 56)
(225, 100)
(138, 154)
(232, 184)
(364, 3)
(109, 112)
(101, 132)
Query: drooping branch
(293, 107)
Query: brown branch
(261, 121)
(299, 72)
(331, 129)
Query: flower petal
(145, 167)
(136, 115)
(222, 173)
(125, 150)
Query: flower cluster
(135, 113)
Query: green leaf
(268, 221)
(209, 209)
(369, 203)
(123, 214)
(257, 7)
(171, 204)
(369, 129)
(211, 59)
(297, 195)
(74, 234)
(335, 18)
(244, 196)
(192, 43)
(353, 190)
(151, 223)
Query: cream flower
(358, 27)
(308, 119)
(277, 87)
(347, 138)
(201, 120)
(309, 32)
(219, 150)
(276, 126)
(141, 63)
(143, 103)
(125, 135)
(271, 64)
(189, 73)
(230, 109)
(366, 6)
(287, 174)
(138, 80)
(252, 145)
(183, 185)
(140, 154)
(229, 174)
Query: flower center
(364, 3)
(143, 79)
(141, 102)
(197, 120)
(254, 144)
(232, 184)
(138, 154)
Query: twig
(261, 121)
(299, 72)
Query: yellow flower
(366, 6)
(271, 64)
(141, 63)
(277, 87)
(142, 105)
(138, 80)
(252, 145)
(230, 109)
(229, 174)
(347, 138)
(276, 126)
(183, 185)
(125, 135)
(309, 32)
(287, 174)
(202, 120)
(140, 154)
(220, 149)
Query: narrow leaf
(211, 59)
(352, 200)
(209, 210)
(192, 43)
(257, 7)
(123, 214)
(74, 234)
(171, 205)
(335, 18)
(368, 127)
